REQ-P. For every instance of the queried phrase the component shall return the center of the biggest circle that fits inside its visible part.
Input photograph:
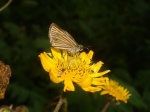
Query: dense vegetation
(117, 31)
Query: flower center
(73, 68)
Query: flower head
(118, 92)
(77, 69)
(5, 73)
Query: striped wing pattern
(61, 39)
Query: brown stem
(3, 7)
(106, 106)
(60, 102)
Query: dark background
(117, 31)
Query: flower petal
(53, 74)
(90, 54)
(46, 61)
(100, 74)
(68, 86)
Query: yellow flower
(73, 69)
(112, 88)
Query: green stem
(3, 7)
(60, 102)
(106, 106)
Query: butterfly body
(61, 39)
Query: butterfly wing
(61, 39)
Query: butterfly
(61, 39)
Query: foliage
(117, 31)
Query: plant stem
(3, 7)
(60, 102)
(106, 106)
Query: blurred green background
(117, 31)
